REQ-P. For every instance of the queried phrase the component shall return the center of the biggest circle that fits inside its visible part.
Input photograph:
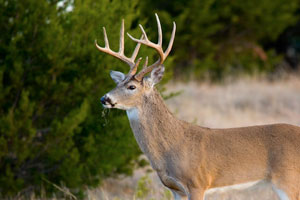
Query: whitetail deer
(190, 159)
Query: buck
(191, 159)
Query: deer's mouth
(107, 102)
(109, 105)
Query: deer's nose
(104, 99)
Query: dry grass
(240, 103)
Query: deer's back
(256, 152)
(267, 137)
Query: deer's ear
(116, 76)
(156, 75)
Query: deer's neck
(156, 130)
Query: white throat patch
(133, 114)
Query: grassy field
(243, 102)
(240, 103)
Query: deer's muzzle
(106, 101)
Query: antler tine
(144, 33)
(159, 30)
(158, 47)
(121, 47)
(146, 63)
(105, 38)
(171, 40)
(120, 54)
(133, 70)
(136, 50)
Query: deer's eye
(131, 87)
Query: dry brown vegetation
(240, 103)
(243, 102)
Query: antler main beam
(158, 47)
(120, 54)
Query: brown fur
(190, 159)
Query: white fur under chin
(133, 114)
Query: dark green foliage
(51, 79)
(219, 37)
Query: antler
(158, 47)
(120, 54)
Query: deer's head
(133, 86)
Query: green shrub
(51, 80)
(216, 38)
(226, 37)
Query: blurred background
(234, 63)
